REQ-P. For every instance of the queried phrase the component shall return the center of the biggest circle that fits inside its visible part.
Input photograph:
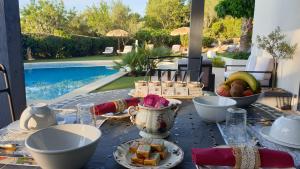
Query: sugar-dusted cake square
(163, 154)
(133, 147)
(136, 160)
(143, 151)
(157, 145)
(153, 160)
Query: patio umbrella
(119, 33)
(180, 31)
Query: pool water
(50, 83)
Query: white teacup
(286, 129)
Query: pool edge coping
(67, 63)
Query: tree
(44, 17)
(78, 25)
(210, 14)
(239, 9)
(167, 14)
(98, 18)
(135, 23)
(224, 29)
(276, 45)
(103, 18)
(119, 15)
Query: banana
(247, 77)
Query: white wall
(286, 14)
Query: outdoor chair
(127, 49)
(7, 90)
(176, 49)
(108, 51)
(260, 67)
(178, 71)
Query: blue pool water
(50, 83)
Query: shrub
(236, 55)
(218, 62)
(207, 42)
(224, 29)
(50, 46)
(137, 61)
(158, 37)
(184, 39)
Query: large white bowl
(284, 131)
(213, 108)
(67, 146)
(245, 100)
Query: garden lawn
(121, 83)
(85, 58)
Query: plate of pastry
(148, 154)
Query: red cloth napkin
(110, 107)
(225, 157)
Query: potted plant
(276, 45)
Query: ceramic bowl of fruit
(242, 87)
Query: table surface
(188, 132)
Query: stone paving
(95, 98)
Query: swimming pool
(52, 82)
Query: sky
(135, 5)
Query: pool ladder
(8, 91)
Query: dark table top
(188, 132)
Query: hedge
(50, 46)
(158, 37)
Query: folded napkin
(115, 106)
(225, 157)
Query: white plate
(173, 102)
(175, 156)
(118, 115)
(265, 133)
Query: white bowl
(213, 108)
(285, 130)
(67, 146)
(245, 100)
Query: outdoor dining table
(188, 132)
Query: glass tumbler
(236, 126)
(85, 113)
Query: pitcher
(36, 117)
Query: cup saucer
(265, 134)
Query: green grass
(85, 58)
(121, 83)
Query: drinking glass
(65, 116)
(85, 113)
(236, 126)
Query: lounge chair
(127, 49)
(149, 46)
(260, 67)
(176, 49)
(108, 51)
